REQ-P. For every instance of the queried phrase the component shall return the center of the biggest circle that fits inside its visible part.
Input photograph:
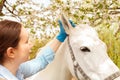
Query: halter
(77, 67)
(113, 76)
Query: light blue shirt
(30, 67)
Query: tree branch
(11, 11)
(114, 12)
(1, 6)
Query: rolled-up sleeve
(31, 67)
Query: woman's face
(24, 47)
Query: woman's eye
(84, 49)
(26, 41)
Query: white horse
(83, 56)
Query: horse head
(87, 56)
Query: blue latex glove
(62, 34)
(72, 23)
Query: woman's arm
(45, 56)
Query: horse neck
(57, 69)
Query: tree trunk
(2, 2)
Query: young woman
(15, 49)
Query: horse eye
(85, 49)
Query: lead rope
(76, 65)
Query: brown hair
(9, 36)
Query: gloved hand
(62, 34)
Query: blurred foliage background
(41, 21)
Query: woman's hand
(62, 34)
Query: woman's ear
(10, 52)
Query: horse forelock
(84, 30)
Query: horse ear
(66, 24)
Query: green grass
(113, 44)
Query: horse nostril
(84, 49)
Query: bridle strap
(76, 65)
(113, 76)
